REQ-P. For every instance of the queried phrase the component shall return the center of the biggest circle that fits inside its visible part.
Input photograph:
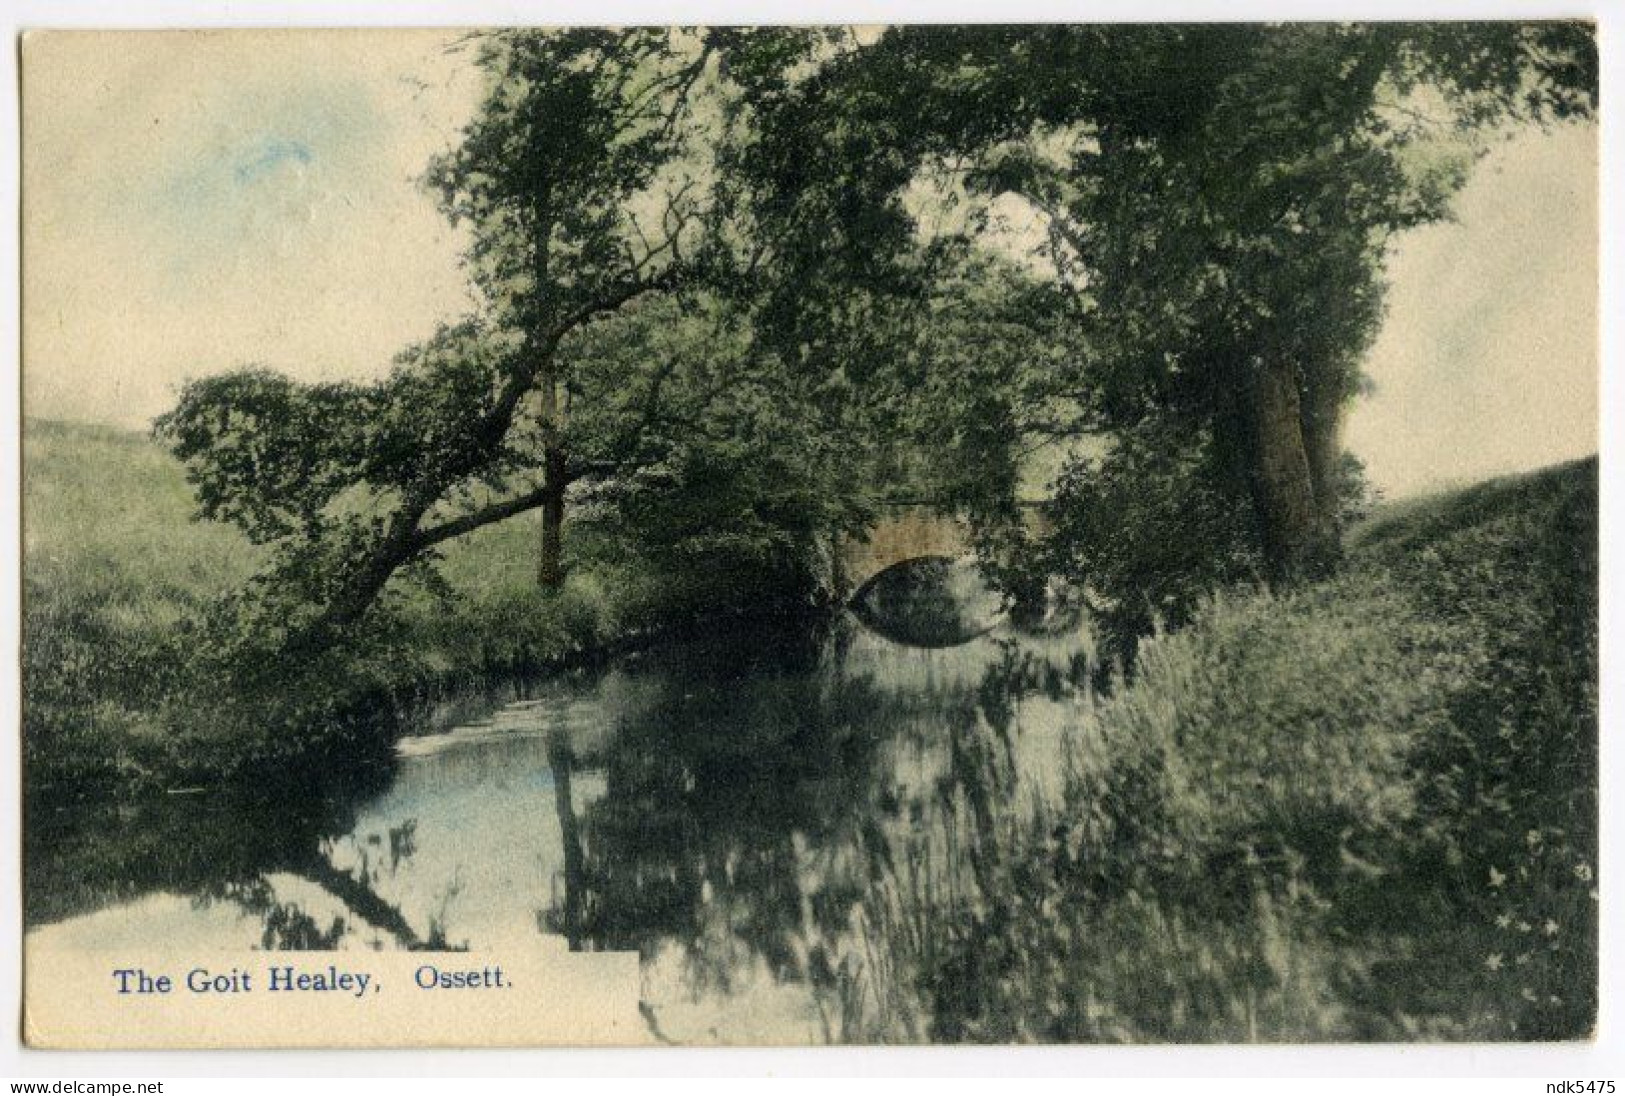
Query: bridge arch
(905, 531)
(910, 530)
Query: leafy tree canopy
(1216, 202)
(736, 283)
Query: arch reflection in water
(928, 601)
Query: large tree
(616, 363)
(585, 184)
(1217, 200)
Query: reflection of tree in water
(945, 874)
(725, 800)
(748, 807)
(92, 858)
(222, 850)
(287, 926)
(355, 890)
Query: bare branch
(691, 74)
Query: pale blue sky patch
(274, 153)
(198, 201)
(249, 171)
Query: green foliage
(577, 127)
(1284, 724)
(623, 365)
(131, 685)
(1143, 534)
(1362, 810)
(1218, 201)
(737, 479)
(1509, 808)
(578, 179)
(111, 566)
(1241, 218)
(980, 382)
(714, 312)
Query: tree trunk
(1321, 417)
(550, 564)
(368, 580)
(1298, 540)
(360, 899)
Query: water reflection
(928, 601)
(722, 806)
(227, 873)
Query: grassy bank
(122, 695)
(1365, 810)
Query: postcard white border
(1605, 1058)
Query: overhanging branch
(428, 538)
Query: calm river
(722, 806)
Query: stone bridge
(904, 531)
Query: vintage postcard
(799, 535)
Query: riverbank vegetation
(1363, 809)
(127, 694)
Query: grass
(123, 698)
(1362, 810)
(107, 510)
